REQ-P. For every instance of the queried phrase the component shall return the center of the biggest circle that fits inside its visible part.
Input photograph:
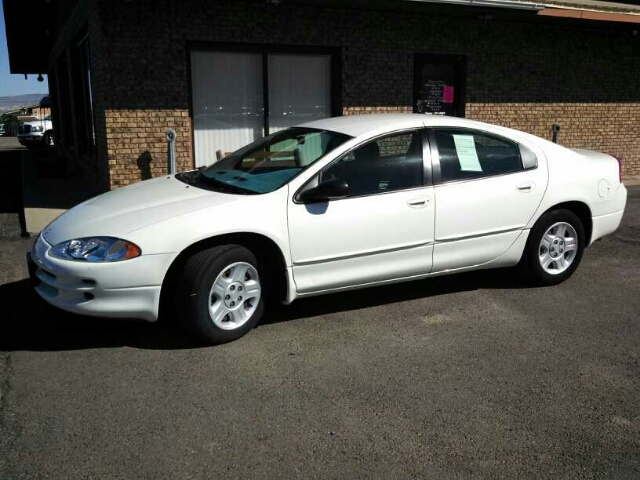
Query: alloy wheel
(234, 296)
(558, 248)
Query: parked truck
(37, 133)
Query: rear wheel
(221, 296)
(555, 246)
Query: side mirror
(328, 190)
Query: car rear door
(382, 230)
(487, 188)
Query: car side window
(468, 154)
(389, 163)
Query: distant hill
(16, 101)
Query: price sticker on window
(467, 154)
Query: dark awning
(29, 38)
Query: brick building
(38, 111)
(222, 73)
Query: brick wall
(521, 73)
(133, 132)
(612, 128)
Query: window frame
(435, 155)
(80, 56)
(427, 169)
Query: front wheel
(555, 246)
(49, 141)
(220, 295)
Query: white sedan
(335, 204)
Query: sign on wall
(438, 85)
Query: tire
(48, 142)
(220, 297)
(553, 261)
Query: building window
(63, 130)
(53, 98)
(82, 98)
(240, 96)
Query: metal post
(555, 128)
(171, 138)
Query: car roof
(356, 125)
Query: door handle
(525, 187)
(418, 202)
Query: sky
(15, 84)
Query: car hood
(121, 211)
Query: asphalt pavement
(474, 375)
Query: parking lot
(474, 375)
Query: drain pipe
(171, 138)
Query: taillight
(619, 159)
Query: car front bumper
(30, 138)
(126, 289)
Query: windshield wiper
(222, 186)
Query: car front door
(383, 228)
(487, 188)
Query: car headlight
(96, 249)
(37, 129)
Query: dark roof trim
(511, 4)
(32, 18)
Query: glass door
(299, 89)
(231, 91)
(228, 102)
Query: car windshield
(266, 164)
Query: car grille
(24, 129)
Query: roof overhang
(510, 4)
(595, 10)
(28, 31)
(594, 15)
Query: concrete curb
(38, 218)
